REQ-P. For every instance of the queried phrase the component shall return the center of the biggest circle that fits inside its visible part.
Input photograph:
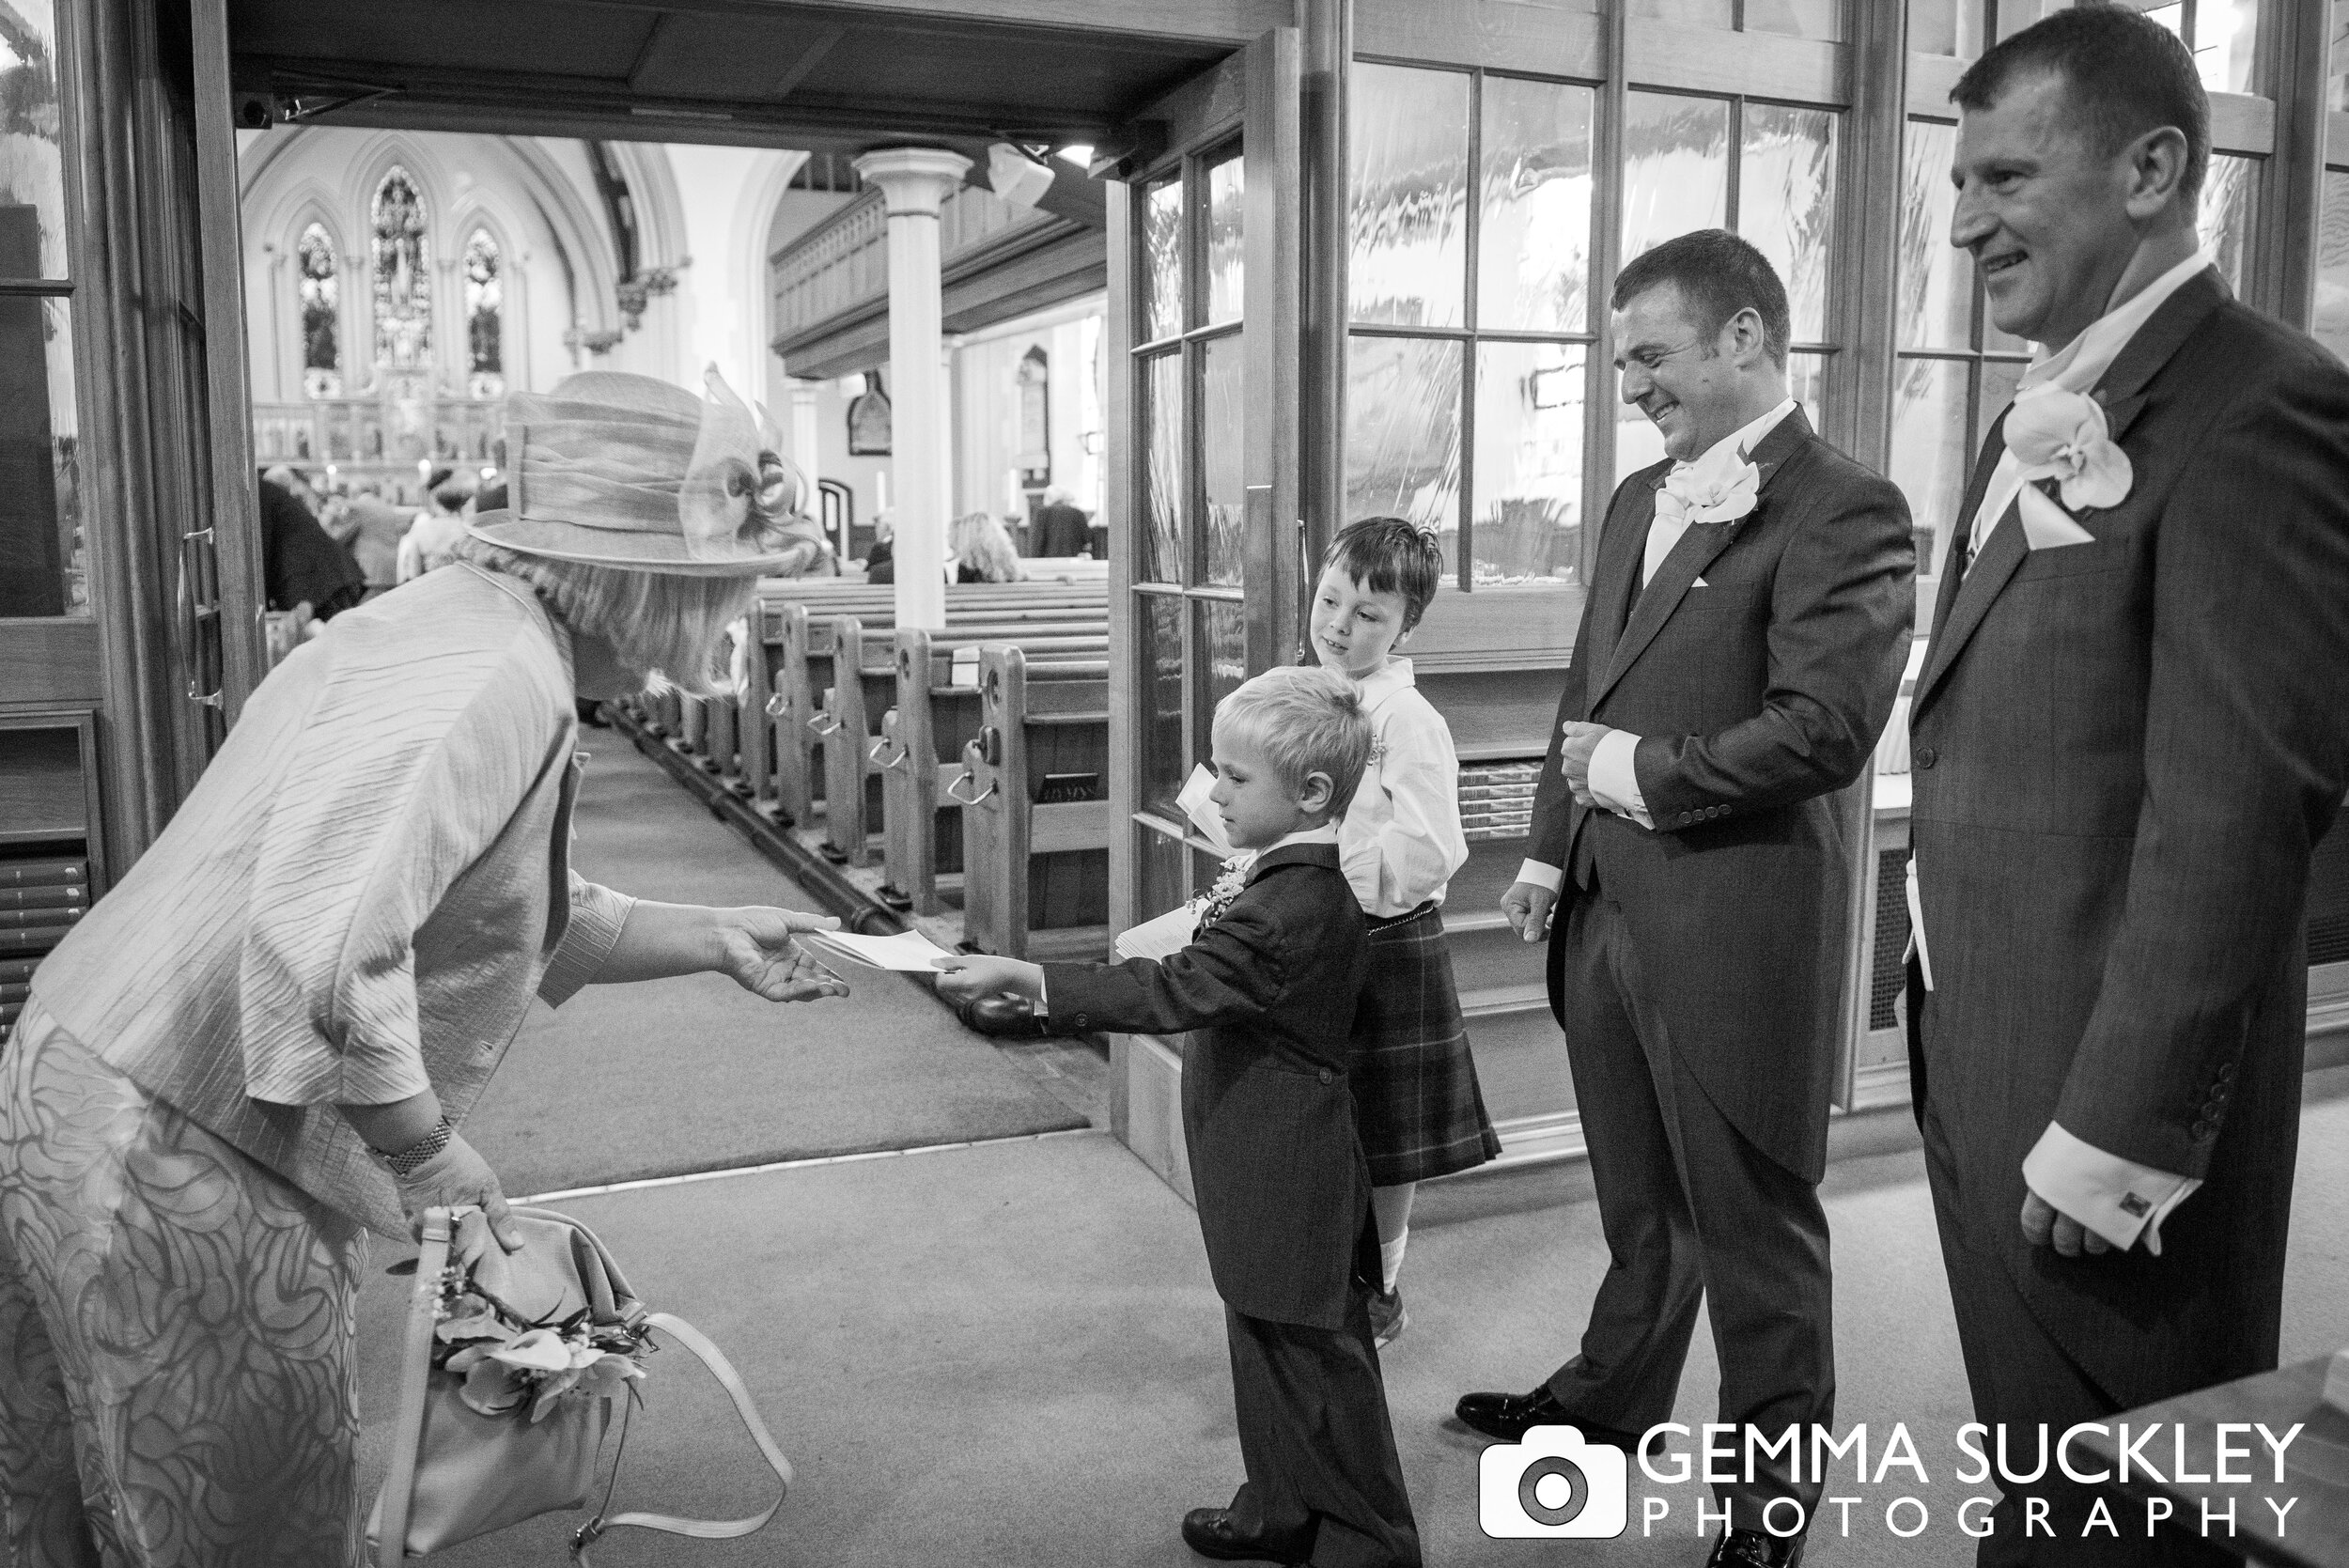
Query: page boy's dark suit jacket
(1269, 989)
(1756, 695)
(2124, 754)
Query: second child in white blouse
(1417, 1103)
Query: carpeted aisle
(1012, 1355)
(676, 1076)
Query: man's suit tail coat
(1266, 993)
(2136, 742)
(1757, 693)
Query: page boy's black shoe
(1213, 1533)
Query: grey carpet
(676, 1076)
(1012, 1355)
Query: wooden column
(2293, 69)
(1325, 41)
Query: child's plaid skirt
(1416, 1098)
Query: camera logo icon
(1554, 1487)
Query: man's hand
(966, 975)
(1574, 757)
(754, 947)
(1528, 906)
(2044, 1225)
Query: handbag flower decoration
(1699, 494)
(2061, 435)
(511, 1367)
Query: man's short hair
(1305, 720)
(1718, 274)
(2124, 74)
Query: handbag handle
(416, 1369)
(706, 1529)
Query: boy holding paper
(1265, 993)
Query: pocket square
(2045, 524)
(1700, 582)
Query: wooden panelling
(1706, 59)
(50, 660)
(1497, 625)
(1500, 34)
(2241, 123)
(1931, 77)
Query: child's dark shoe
(1387, 1317)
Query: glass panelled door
(1209, 356)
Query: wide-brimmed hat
(613, 470)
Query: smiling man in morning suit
(1738, 659)
(2128, 734)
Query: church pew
(935, 711)
(863, 685)
(1035, 869)
(797, 666)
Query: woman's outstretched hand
(755, 948)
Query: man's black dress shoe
(1751, 1549)
(1210, 1532)
(1509, 1417)
(1002, 1016)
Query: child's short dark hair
(1390, 556)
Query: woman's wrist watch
(407, 1161)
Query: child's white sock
(1391, 1256)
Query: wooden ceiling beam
(452, 95)
(1231, 23)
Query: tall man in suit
(1738, 657)
(2128, 734)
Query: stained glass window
(321, 301)
(485, 316)
(402, 270)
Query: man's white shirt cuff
(1547, 877)
(2118, 1199)
(1615, 779)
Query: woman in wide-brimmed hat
(262, 1043)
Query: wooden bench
(1028, 857)
(864, 686)
(786, 688)
(937, 712)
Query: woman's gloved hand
(459, 1177)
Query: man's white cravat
(2076, 367)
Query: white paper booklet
(1202, 812)
(909, 951)
(1162, 937)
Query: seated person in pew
(1270, 984)
(982, 550)
(1416, 1098)
(881, 562)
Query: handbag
(507, 1378)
